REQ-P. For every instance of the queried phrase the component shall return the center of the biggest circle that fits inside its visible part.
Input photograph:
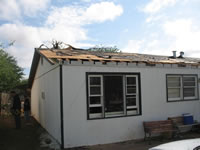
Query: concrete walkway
(136, 145)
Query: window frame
(136, 94)
(123, 74)
(182, 98)
(97, 115)
(195, 87)
(181, 89)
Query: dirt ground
(28, 138)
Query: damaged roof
(54, 56)
(71, 53)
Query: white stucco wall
(79, 131)
(47, 110)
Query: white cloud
(173, 29)
(68, 34)
(23, 35)
(86, 1)
(186, 35)
(31, 7)
(133, 46)
(12, 10)
(70, 16)
(179, 35)
(27, 37)
(24, 55)
(9, 10)
(152, 18)
(156, 5)
(176, 28)
(147, 46)
(153, 43)
(77, 16)
(67, 23)
(63, 24)
(103, 11)
(159, 10)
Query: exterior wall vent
(150, 65)
(181, 65)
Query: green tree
(107, 49)
(22, 87)
(10, 73)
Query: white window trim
(195, 87)
(96, 115)
(114, 114)
(136, 94)
(125, 112)
(182, 98)
(181, 88)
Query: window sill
(114, 114)
(182, 100)
(111, 117)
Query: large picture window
(113, 95)
(182, 87)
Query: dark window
(111, 95)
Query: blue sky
(136, 26)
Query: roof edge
(35, 61)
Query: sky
(136, 26)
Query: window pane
(95, 90)
(189, 83)
(131, 89)
(131, 80)
(132, 111)
(95, 81)
(189, 79)
(95, 100)
(95, 110)
(131, 100)
(174, 84)
(174, 93)
(189, 92)
(173, 81)
(113, 94)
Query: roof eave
(35, 61)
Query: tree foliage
(98, 48)
(10, 72)
(107, 49)
(58, 44)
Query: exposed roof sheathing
(79, 54)
(54, 56)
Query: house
(85, 98)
